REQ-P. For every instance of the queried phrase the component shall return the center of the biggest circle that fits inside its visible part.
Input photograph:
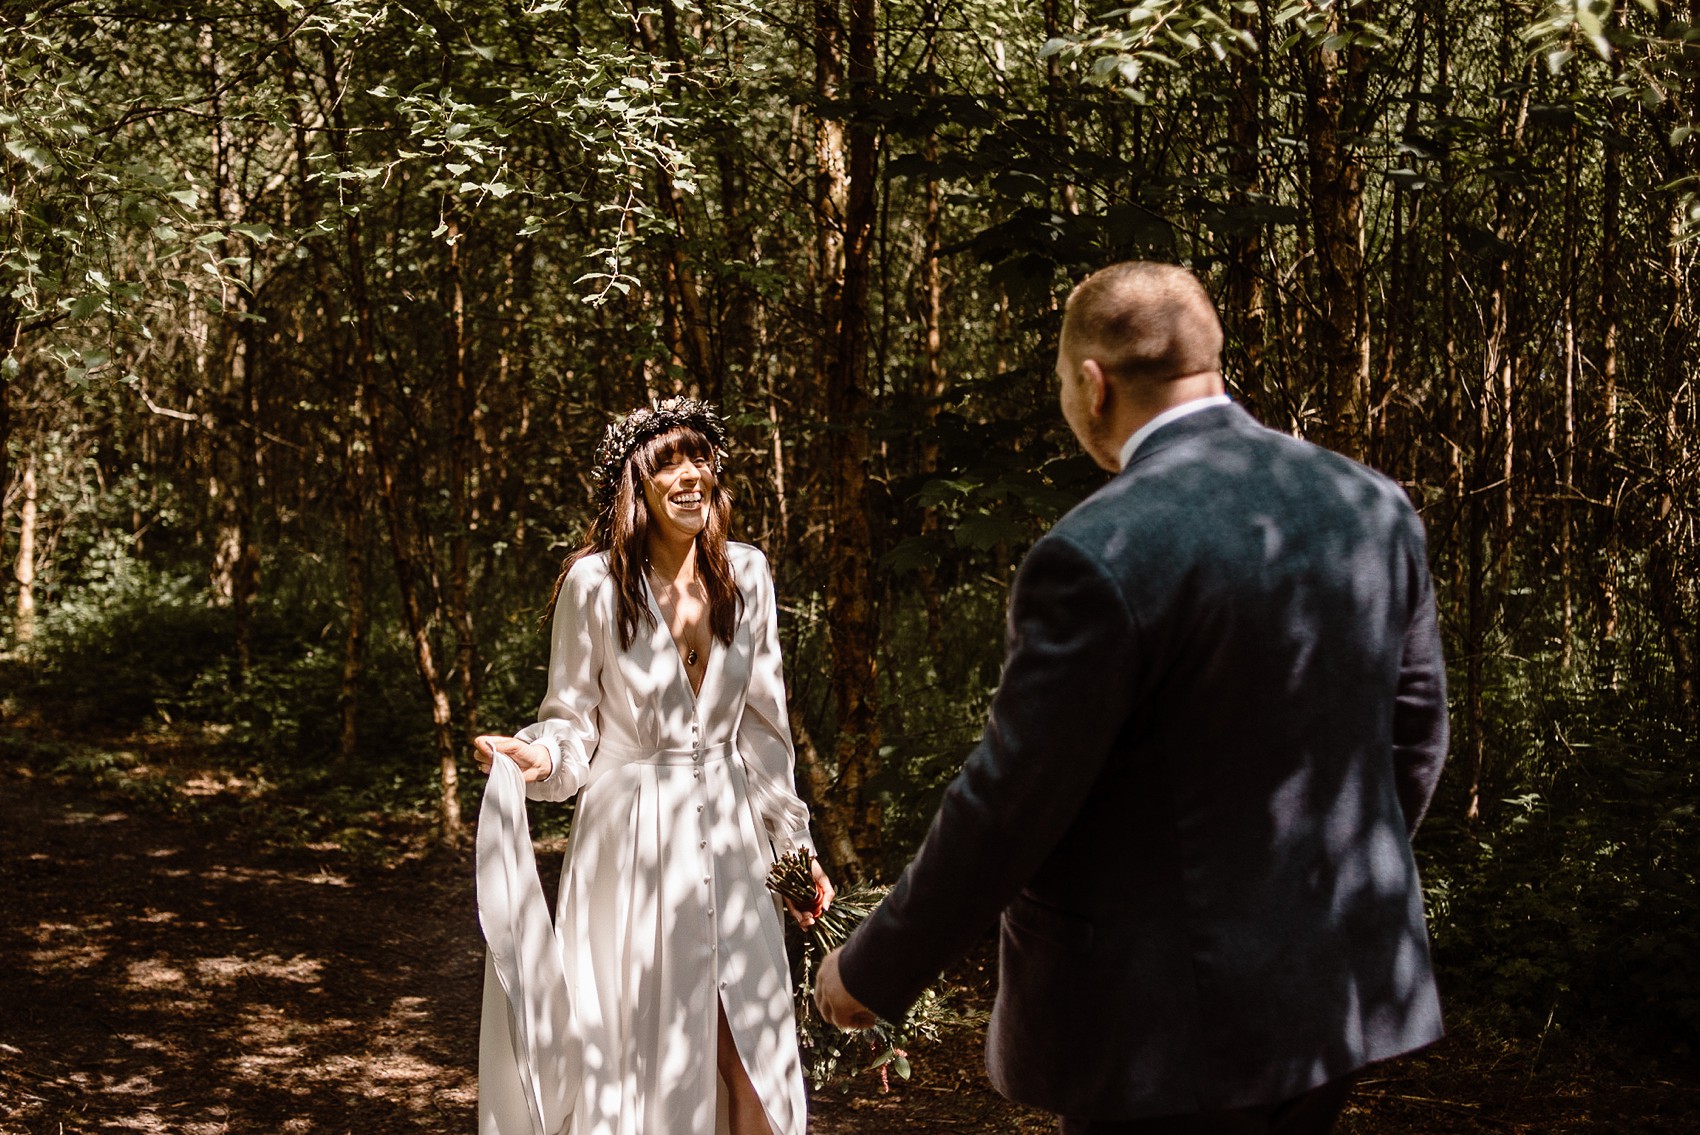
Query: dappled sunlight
(154, 974)
(258, 992)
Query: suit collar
(1215, 419)
(1172, 414)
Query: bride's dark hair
(622, 530)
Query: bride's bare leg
(744, 1108)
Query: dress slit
(773, 1123)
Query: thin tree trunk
(692, 329)
(10, 327)
(1671, 588)
(1571, 364)
(354, 598)
(1244, 287)
(1611, 229)
(1335, 87)
(403, 545)
(23, 630)
(245, 574)
(464, 402)
(1055, 89)
(930, 377)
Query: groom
(1221, 717)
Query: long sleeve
(1419, 709)
(764, 732)
(567, 721)
(1052, 724)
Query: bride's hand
(532, 759)
(824, 893)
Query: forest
(312, 313)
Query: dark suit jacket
(1221, 717)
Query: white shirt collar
(1171, 414)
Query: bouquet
(829, 1054)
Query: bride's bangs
(664, 447)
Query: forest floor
(169, 962)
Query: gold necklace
(655, 579)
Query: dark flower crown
(624, 435)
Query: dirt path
(160, 976)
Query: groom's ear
(1097, 385)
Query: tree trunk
(1335, 87)
(354, 597)
(23, 630)
(693, 337)
(930, 379)
(846, 205)
(9, 367)
(853, 619)
(1611, 230)
(1571, 367)
(1244, 310)
(464, 403)
(1055, 112)
(1671, 588)
(403, 544)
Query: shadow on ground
(158, 975)
(161, 979)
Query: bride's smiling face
(679, 491)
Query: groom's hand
(834, 1001)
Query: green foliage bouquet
(828, 1053)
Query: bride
(665, 713)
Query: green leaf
(189, 197)
(25, 152)
(260, 234)
(85, 306)
(914, 553)
(941, 489)
(983, 533)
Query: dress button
(704, 843)
(699, 807)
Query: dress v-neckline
(673, 645)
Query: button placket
(702, 844)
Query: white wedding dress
(683, 801)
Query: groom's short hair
(1143, 322)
